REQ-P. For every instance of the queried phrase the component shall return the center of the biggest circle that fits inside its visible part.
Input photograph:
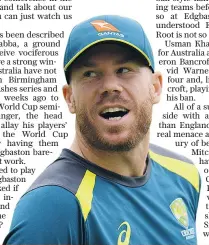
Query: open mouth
(114, 113)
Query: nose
(111, 84)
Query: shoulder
(67, 172)
(160, 151)
(47, 196)
(176, 163)
(46, 215)
(50, 212)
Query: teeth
(113, 109)
(114, 118)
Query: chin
(114, 137)
(116, 143)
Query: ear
(68, 95)
(157, 84)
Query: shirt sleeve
(47, 215)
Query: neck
(129, 163)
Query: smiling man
(111, 186)
(112, 92)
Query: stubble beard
(138, 130)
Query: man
(111, 186)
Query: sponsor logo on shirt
(125, 234)
(179, 210)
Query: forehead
(118, 53)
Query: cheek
(84, 99)
(143, 91)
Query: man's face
(112, 94)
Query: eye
(123, 70)
(89, 74)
